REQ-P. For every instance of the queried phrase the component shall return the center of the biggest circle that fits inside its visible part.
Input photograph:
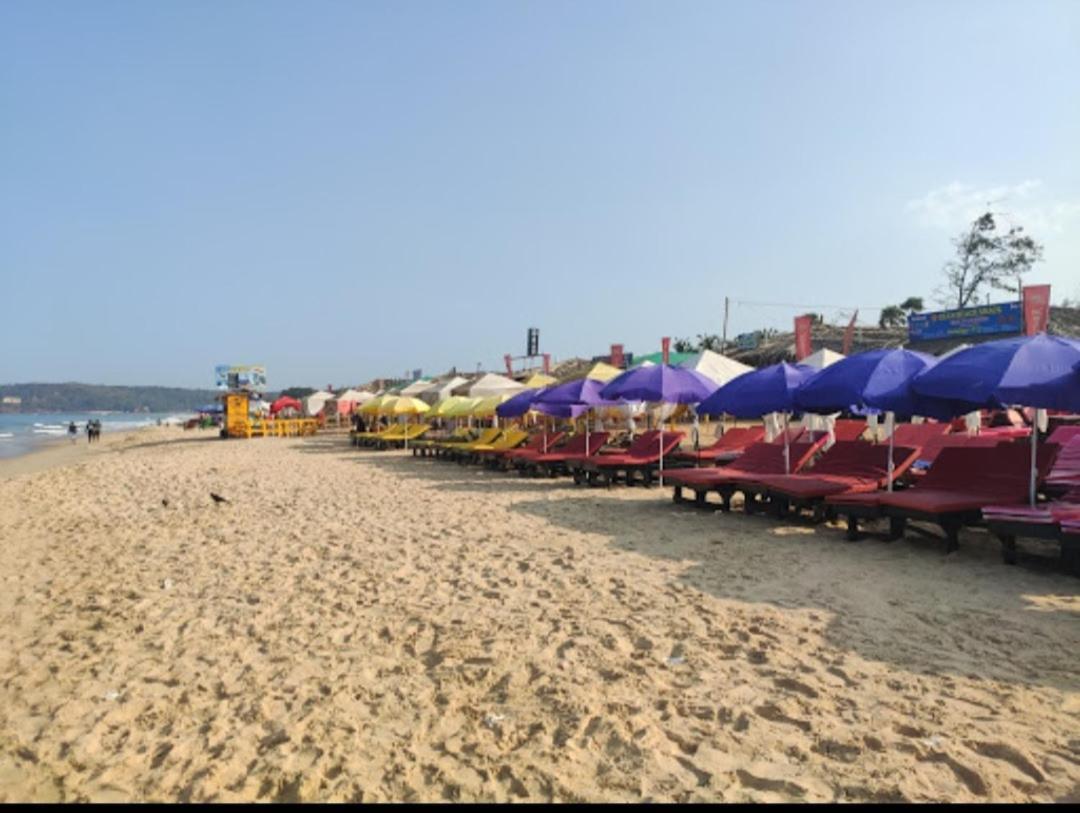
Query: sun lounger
(952, 494)
(726, 448)
(426, 447)
(847, 429)
(1058, 520)
(537, 444)
(848, 467)
(918, 435)
(641, 459)
(1065, 474)
(759, 459)
(933, 448)
(451, 451)
(555, 462)
(409, 434)
(509, 439)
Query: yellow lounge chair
(487, 437)
(410, 433)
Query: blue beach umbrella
(518, 405)
(873, 381)
(1034, 371)
(572, 399)
(659, 383)
(760, 392)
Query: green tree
(986, 257)
(892, 316)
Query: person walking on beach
(89, 432)
(73, 433)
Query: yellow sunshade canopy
(602, 372)
(404, 405)
(462, 408)
(485, 407)
(540, 380)
(443, 407)
(375, 405)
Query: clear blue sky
(342, 190)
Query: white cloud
(1024, 204)
(1052, 220)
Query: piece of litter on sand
(167, 584)
(492, 720)
(112, 694)
(675, 660)
(933, 742)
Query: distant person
(89, 432)
(97, 429)
(73, 433)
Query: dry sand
(358, 625)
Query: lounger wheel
(952, 536)
(897, 526)
(677, 495)
(1008, 549)
(853, 534)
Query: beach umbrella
(404, 405)
(573, 399)
(659, 383)
(373, 406)
(519, 404)
(761, 392)
(1035, 371)
(876, 380)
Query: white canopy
(822, 358)
(356, 396)
(438, 390)
(314, 402)
(415, 388)
(492, 384)
(716, 367)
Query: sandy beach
(367, 626)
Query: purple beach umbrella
(660, 383)
(1033, 371)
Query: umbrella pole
(787, 451)
(890, 427)
(661, 441)
(1034, 455)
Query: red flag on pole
(509, 364)
(617, 359)
(547, 363)
(665, 347)
(802, 336)
(1036, 309)
(849, 334)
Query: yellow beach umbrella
(485, 407)
(404, 405)
(602, 372)
(443, 407)
(462, 408)
(373, 406)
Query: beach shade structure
(414, 389)
(403, 406)
(518, 405)
(822, 358)
(573, 399)
(493, 384)
(485, 407)
(285, 402)
(437, 391)
(213, 409)
(716, 367)
(876, 380)
(602, 371)
(761, 392)
(659, 383)
(1034, 371)
(314, 402)
(537, 380)
(374, 406)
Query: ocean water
(22, 433)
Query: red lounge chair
(538, 443)
(847, 429)
(643, 457)
(953, 492)
(1058, 520)
(929, 452)
(848, 467)
(1065, 473)
(555, 462)
(727, 447)
(759, 459)
(918, 435)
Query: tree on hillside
(298, 392)
(682, 346)
(897, 315)
(986, 257)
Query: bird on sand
(217, 497)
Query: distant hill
(71, 397)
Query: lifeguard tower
(239, 382)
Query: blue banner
(977, 321)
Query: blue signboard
(978, 321)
